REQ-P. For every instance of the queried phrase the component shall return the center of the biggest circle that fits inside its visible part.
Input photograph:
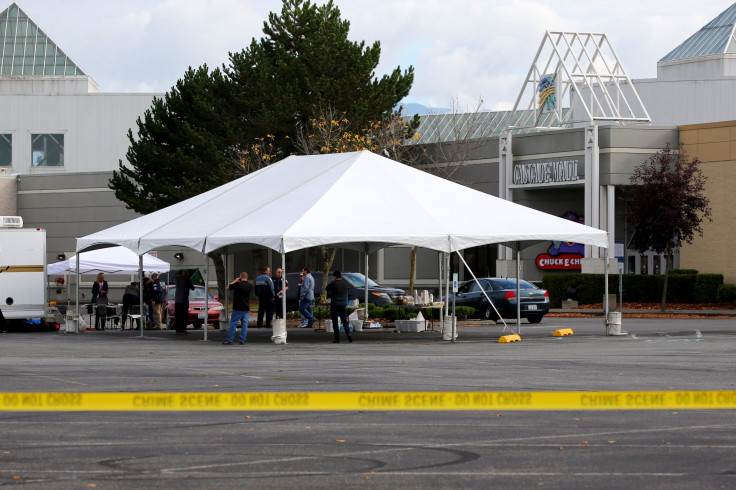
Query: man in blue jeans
(241, 308)
(306, 298)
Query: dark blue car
(534, 300)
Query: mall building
(576, 134)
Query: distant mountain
(411, 108)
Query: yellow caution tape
(21, 268)
(563, 400)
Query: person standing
(280, 286)
(181, 302)
(99, 297)
(130, 298)
(337, 290)
(264, 291)
(304, 321)
(306, 298)
(241, 308)
(159, 300)
(148, 302)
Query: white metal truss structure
(579, 71)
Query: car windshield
(357, 280)
(197, 294)
(511, 284)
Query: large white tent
(110, 260)
(359, 200)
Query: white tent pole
(77, 304)
(439, 289)
(283, 287)
(365, 286)
(518, 288)
(227, 310)
(206, 320)
(447, 283)
(605, 279)
(141, 311)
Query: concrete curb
(599, 312)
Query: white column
(592, 185)
(505, 170)
(611, 218)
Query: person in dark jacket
(148, 302)
(280, 286)
(159, 300)
(241, 289)
(130, 298)
(337, 290)
(181, 302)
(264, 291)
(99, 297)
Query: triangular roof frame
(17, 47)
(584, 71)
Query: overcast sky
(460, 49)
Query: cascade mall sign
(546, 172)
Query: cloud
(464, 49)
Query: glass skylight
(716, 37)
(27, 50)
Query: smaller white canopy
(110, 260)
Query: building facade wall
(715, 146)
(94, 126)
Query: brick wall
(715, 145)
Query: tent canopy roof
(355, 200)
(110, 260)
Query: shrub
(683, 271)
(685, 288)
(464, 312)
(706, 287)
(726, 293)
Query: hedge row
(681, 288)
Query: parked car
(196, 308)
(534, 300)
(377, 294)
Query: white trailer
(23, 294)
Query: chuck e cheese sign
(563, 256)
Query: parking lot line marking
(368, 401)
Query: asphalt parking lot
(381, 449)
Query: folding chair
(112, 316)
(134, 314)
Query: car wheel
(292, 306)
(197, 325)
(216, 325)
(487, 313)
(534, 319)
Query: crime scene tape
(373, 401)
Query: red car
(196, 308)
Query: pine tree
(182, 146)
(195, 137)
(306, 65)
